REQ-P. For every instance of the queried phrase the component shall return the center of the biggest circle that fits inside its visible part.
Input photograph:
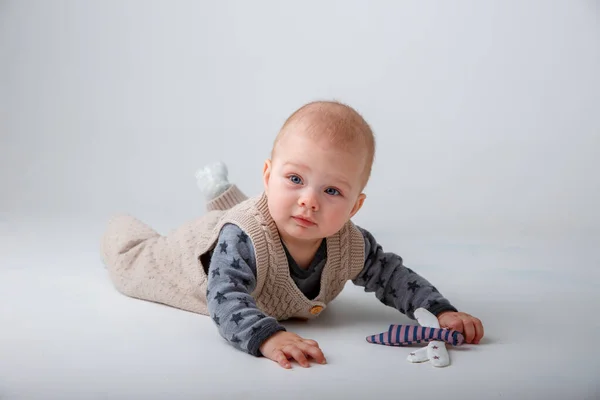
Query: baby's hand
(287, 345)
(471, 327)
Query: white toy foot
(418, 356)
(426, 318)
(212, 180)
(436, 351)
(438, 354)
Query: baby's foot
(212, 180)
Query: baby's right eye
(295, 179)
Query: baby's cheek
(337, 221)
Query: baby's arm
(231, 279)
(396, 285)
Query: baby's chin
(300, 233)
(305, 234)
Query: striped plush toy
(428, 332)
(405, 335)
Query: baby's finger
(455, 323)
(468, 330)
(478, 331)
(280, 358)
(311, 342)
(294, 351)
(313, 351)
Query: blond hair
(341, 125)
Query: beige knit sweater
(172, 269)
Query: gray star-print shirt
(232, 277)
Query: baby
(251, 263)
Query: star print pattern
(223, 247)
(232, 276)
(242, 237)
(235, 263)
(237, 317)
(396, 285)
(220, 297)
(233, 310)
(413, 286)
(244, 301)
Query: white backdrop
(486, 113)
(487, 116)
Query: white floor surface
(67, 334)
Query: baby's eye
(295, 179)
(332, 192)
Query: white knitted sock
(212, 180)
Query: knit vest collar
(272, 265)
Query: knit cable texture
(168, 269)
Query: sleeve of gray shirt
(231, 279)
(394, 284)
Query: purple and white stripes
(405, 335)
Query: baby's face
(313, 188)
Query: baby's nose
(309, 200)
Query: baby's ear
(266, 173)
(359, 203)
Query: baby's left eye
(295, 179)
(332, 191)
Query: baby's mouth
(304, 221)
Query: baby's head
(320, 163)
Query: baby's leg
(146, 265)
(127, 247)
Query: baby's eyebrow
(291, 164)
(343, 182)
